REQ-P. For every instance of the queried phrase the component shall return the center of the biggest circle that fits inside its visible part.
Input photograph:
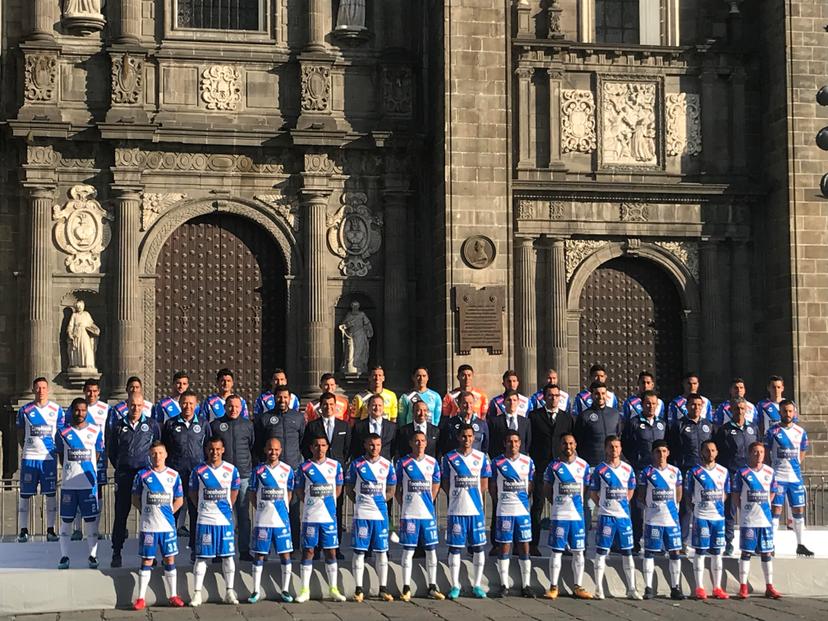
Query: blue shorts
(756, 540)
(661, 538)
(411, 530)
(506, 525)
(465, 530)
(36, 472)
(212, 541)
(567, 532)
(266, 536)
(794, 492)
(323, 535)
(609, 528)
(708, 534)
(370, 535)
(150, 542)
(84, 499)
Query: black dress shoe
(116, 560)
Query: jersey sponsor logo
(319, 490)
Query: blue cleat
(479, 593)
(64, 563)
(254, 597)
(287, 598)
(454, 593)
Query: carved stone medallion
(316, 88)
(628, 123)
(82, 230)
(396, 88)
(683, 115)
(577, 121)
(634, 212)
(354, 234)
(478, 252)
(40, 78)
(127, 79)
(221, 87)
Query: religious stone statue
(83, 16)
(357, 331)
(351, 15)
(82, 335)
(82, 7)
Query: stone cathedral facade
(508, 183)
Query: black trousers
(123, 504)
(536, 510)
(192, 514)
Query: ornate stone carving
(634, 212)
(553, 12)
(628, 123)
(131, 157)
(687, 253)
(82, 230)
(153, 205)
(83, 16)
(531, 209)
(221, 87)
(683, 116)
(354, 234)
(478, 252)
(127, 79)
(197, 162)
(41, 156)
(82, 340)
(316, 88)
(286, 206)
(556, 210)
(320, 164)
(526, 209)
(577, 250)
(41, 78)
(397, 90)
(577, 121)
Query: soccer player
(342, 409)
(737, 390)
(79, 446)
(451, 404)
(768, 408)
(463, 469)
(787, 443)
(369, 484)
(510, 488)
(708, 486)
(269, 493)
(421, 392)
(360, 408)
(583, 400)
(678, 406)
(418, 483)
(213, 405)
(612, 485)
(538, 401)
(266, 401)
(634, 404)
(318, 485)
(564, 483)
(754, 488)
(497, 405)
(660, 488)
(134, 386)
(37, 423)
(157, 493)
(170, 407)
(214, 487)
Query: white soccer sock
(431, 566)
(525, 565)
(675, 572)
(228, 568)
(358, 566)
(629, 571)
(23, 505)
(716, 564)
(307, 570)
(331, 570)
(775, 523)
(600, 566)
(407, 566)
(479, 564)
(744, 570)
(170, 579)
(77, 524)
(698, 570)
(143, 580)
(199, 571)
(454, 568)
(256, 570)
(65, 534)
(381, 565)
(287, 574)
(503, 570)
(578, 565)
(767, 570)
(555, 561)
(798, 526)
(91, 533)
(648, 570)
(51, 511)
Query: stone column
(38, 332)
(526, 158)
(395, 333)
(127, 347)
(555, 81)
(710, 142)
(42, 20)
(557, 294)
(316, 30)
(526, 324)
(737, 121)
(740, 307)
(129, 22)
(711, 337)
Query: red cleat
(743, 591)
(176, 602)
(772, 593)
(719, 593)
(139, 604)
(700, 593)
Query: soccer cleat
(336, 595)
(77, 535)
(649, 593)
(287, 598)
(772, 593)
(803, 551)
(176, 602)
(359, 596)
(434, 593)
(254, 598)
(195, 600)
(304, 595)
(405, 596)
(479, 593)
(527, 592)
(633, 594)
(116, 560)
(93, 562)
(139, 604)
(581, 593)
(676, 594)
(23, 537)
(385, 596)
(728, 551)
(230, 597)
(501, 591)
(719, 593)
(64, 563)
(599, 594)
(700, 593)
(551, 593)
(51, 535)
(454, 593)
(184, 532)
(743, 591)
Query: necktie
(375, 427)
(329, 429)
(512, 423)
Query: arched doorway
(219, 301)
(631, 320)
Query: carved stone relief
(539, 209)
(577, 121)
(354, 234)
(153, 205)
(628, 123)
(41, 156)
(82, 230)
(41, 78)
(526, 210)
(286, 206)
(321, 163)
(577, 250)
(634, 212)
(316, 88)
(127, 79)
(397, 91)
(197, 162)
(686, 252)
(683, 116)
(221, 87)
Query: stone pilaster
(712, 338)
(317, 28)
(525, 27)
(129, 22)
(396, 333)
(710, 152)
(525, 90)
(555, 82)
(557, 296)
(43, 18)
(740, 308)
(526, 325)
(737, 121)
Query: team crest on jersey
(144, 427)
(705, 428)
(475, 427)
(148, 539)
(456, 529)
(750, 431)
(310, 531)
(224, 427)
(507, 524)
(197, 428)
(559, 531)
(705, 532)
(607, 531)
(363, 531)
(207, 539)
(411, 527)
(274, 420)
(593, 417)
(660, 425)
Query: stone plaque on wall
(481, 318)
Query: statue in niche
(82, 7)
(357, 332)
(82, 335)
(351, 15)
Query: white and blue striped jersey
(415, 478)
(612, 485)
(39, 425)
(513, 477)
(707, 490)
(568, 480)
(463, 474)
(271, 485)
(369, 480)
(214, 486)
(756, 488)
(660, 485)
(80, 460)
(319, 482)
(157, 489)
(784, 444)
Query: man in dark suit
(450, 425)
(375, 423)
(421, 415)
(549, 423)
(336, 430)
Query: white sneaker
(336, 595)
(195, 600)
(230, 597)
(304, 595)
(599, 594)
(633, 594)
